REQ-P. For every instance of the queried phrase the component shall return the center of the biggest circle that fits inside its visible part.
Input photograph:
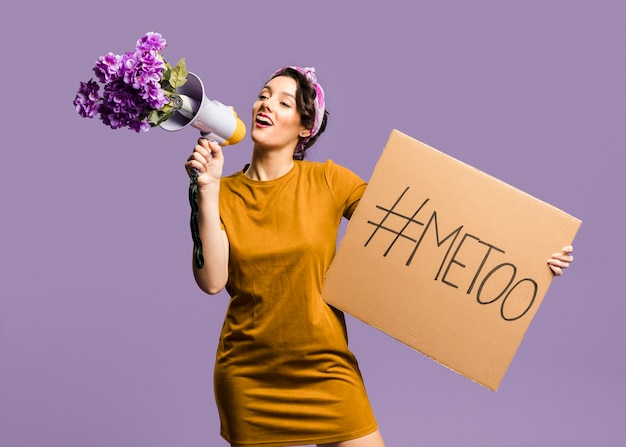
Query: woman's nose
(267, 105)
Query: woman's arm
(560, 261)
(207, 159)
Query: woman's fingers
(201, 155)
(556, 270)
(560, 261)
(197, 162)
(206, 158)
(213, 150)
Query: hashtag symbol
(399, 219)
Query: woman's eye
(262, 96)
(283, 103)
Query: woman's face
(275, 117)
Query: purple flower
(87, 98)
(151, 41)
(122, 107)
(155, 96)
(128, 67)
(133, 87)
(151, 60)
(139, 126)
(145, 78)
(107, 67)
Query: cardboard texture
(447, 259)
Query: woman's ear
(304, 133)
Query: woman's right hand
(207, 160)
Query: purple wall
(105, 341)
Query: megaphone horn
(214, 120)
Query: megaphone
(214, 120)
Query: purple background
(105, 341)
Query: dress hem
(296, 442)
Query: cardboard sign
(447, 259)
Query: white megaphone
(214, 120)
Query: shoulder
(328, 168)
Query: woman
(284, 374)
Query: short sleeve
(346, 187)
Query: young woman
(284, 374)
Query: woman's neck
(269, 165)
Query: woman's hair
(305, 103)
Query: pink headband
(320, 105)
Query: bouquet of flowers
(139, 87)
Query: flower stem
(189, 106)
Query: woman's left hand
(560, 261)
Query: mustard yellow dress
(284, 374)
